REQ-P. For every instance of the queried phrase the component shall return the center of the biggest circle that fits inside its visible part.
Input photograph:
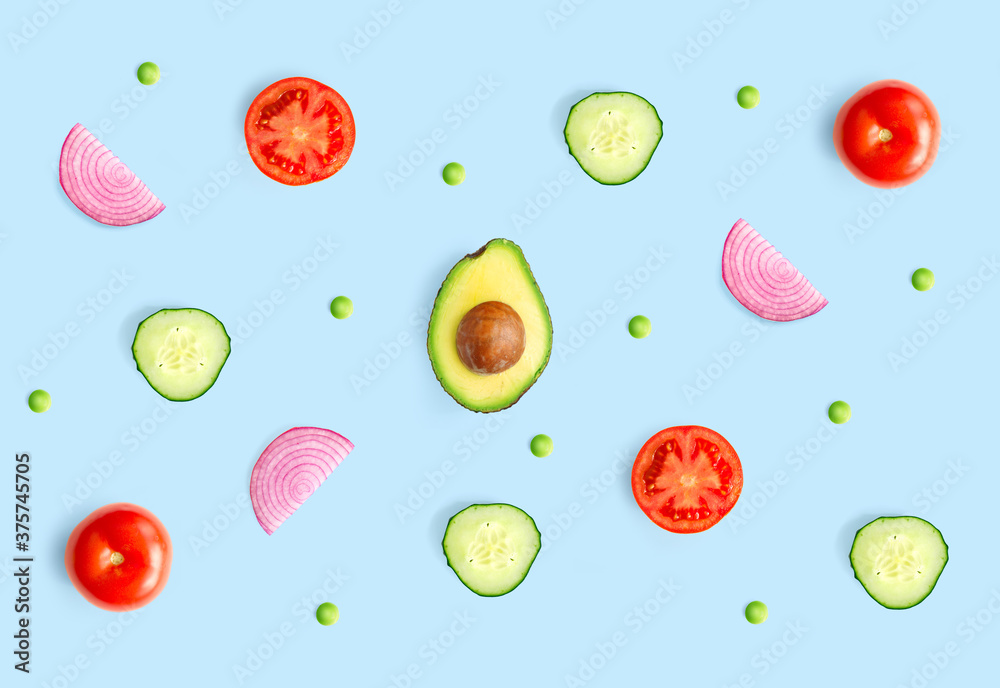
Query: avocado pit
(490, 338)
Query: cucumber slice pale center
(180, 353)
(897, 560)
(492, 548)
(613, 136)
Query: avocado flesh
(496, 272)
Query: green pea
(640, 327)
(839, 412)
(542, 446)
(453, 174)
(748, 97)
(756, 612)
(327, 614)
(148, 73)
(39, 401)
(341, 307)
(923, 279)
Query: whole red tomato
(887, 134)
(119, 557)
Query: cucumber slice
(180, 352)
(491, 547)
(898, 560)
(613, 135)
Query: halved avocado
(496, 275)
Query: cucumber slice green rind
(522, 540)
(639, 108)
(929, 546)
(212, 334)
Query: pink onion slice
(292, 467)
(101, 185)
(763, 280)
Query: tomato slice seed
(689, 514)
(657, 466)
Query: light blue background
(606, 396)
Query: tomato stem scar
(117, 559)
(884, 135)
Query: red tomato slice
(299, 131)
(686, 478)
(887, 134)
(119, 557)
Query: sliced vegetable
(898, 560)
(101, 185)
(491, 547)
(180, 352)
(299, 131)
(292, 467)
(490, 333)
(613, 135)
(763, 280)
(686, 478)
